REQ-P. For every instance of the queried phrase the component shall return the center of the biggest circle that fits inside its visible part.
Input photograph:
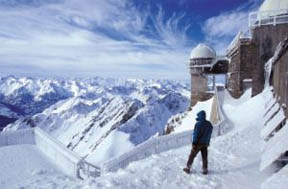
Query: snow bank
(276, 146)
(19, 163)
(278, 180)
(272, 109)
(273, 124)
(68, 161)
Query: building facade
(240, 54)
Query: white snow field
(28, 164)
(234, 159)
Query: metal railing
(261, 18)
(69, 161)
(146, 149)
(87, 170)
(241, 36)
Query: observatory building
(203, 64)
(269, 26)
(240, 54)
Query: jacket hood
(201, 116)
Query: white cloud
(100, 37)
(221, 29)
(226, 24)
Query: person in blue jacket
(201, 139)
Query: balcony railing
(268, 18)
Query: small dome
(277, 6)
(202, 51)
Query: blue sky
(114, 38)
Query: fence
(24, 136)
(268, 18)
(152, 146)
(68, 161)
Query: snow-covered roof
(240, 36)
(202, 51)
(274, 7)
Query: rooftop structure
(271, 12)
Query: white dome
(281, 6)
(202, 51)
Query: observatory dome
(274, 7)
(203, 52)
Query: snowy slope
(27, 162)
(7, 115)
(234, 159)
(103, 118)
(186, 121)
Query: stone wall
(240, 67)
(199, 87)
(265, 39)
(280, 80)
(234, 73)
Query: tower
(201, 60)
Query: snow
(126, 112)
(117, 143)
(66, 160)
(240, 35)
(7, 112)
(278, 180)
(28, 163)
(155, 145)
(271, 109)
(202, 51)
(189, 121)
(273, 124)
(24, 136)
(275, 147)
(234, 158)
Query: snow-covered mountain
(97, 118)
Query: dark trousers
(204, 152)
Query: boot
(187, 170)
(205, 172)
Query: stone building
(269, 26)
(240, 54)
(202, 64)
